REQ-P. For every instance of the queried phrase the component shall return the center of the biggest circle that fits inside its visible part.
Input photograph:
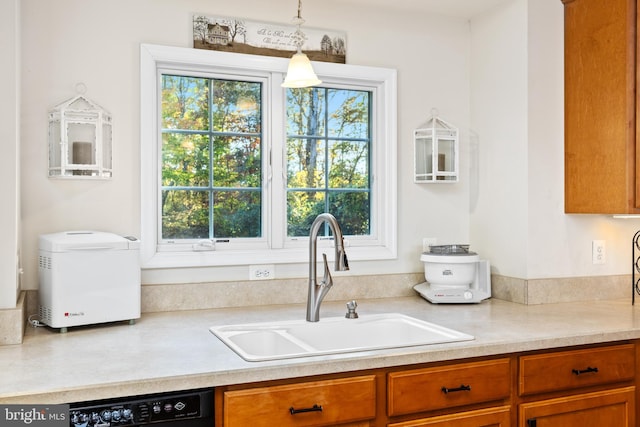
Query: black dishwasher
(193, 408)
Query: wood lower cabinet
(567, 375)
(610, 408)
(449, 386)
(591, 386)
(565, 370)
(304, 404)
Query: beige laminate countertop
(175, 350)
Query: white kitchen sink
(298, 338)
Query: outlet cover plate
(262, 272)
(599, 252)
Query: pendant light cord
(299, 36)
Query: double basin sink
(333, 335)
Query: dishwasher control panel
(162, 409)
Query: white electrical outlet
(428, 241)
(262, 272)
(599, 252)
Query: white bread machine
(88, 277)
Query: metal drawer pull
(461, 388)
(585, 371)
(314, 408)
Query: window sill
(163, 260)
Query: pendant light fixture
(300, 72)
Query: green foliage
(236, 214)
(327, 155)
(185, 215)
(202, 162)
(212, 158)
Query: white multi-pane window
(328, 157)
(211, 168)
(235, 167)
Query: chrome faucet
(317, 291)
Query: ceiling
(457, 8)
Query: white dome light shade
(300, 72)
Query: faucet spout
(317, 291)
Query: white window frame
(282, 250)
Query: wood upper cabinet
(601, 139)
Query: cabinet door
(492, 417)
(610, 408)
(600, 106)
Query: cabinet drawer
(565, 370)
(448, 386)
(495, 417)
(318, 403)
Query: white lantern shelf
(436, 152)
(80, 140)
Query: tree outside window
(211, 158)
(328, 158)
(212, 181)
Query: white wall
(499, 78)
(9, 144)
(499, 116)
(520, 220)
(559, 244)
(97, 43)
